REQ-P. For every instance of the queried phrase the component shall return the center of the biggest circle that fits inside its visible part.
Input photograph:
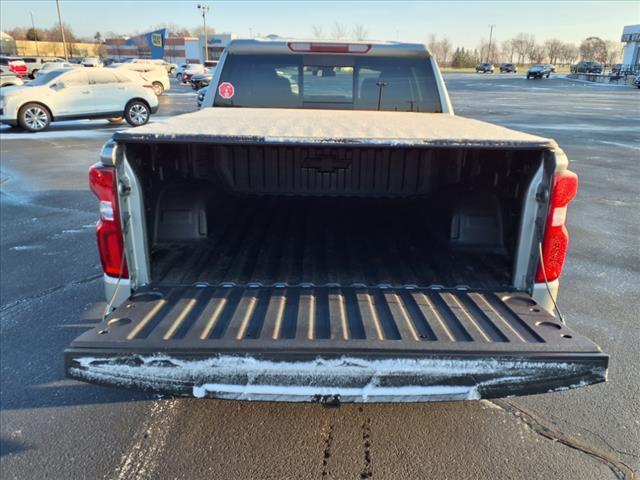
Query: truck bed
(322, 241)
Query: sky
(464, 22)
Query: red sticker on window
(226, 90)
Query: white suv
(78, 93)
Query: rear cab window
(353, 82)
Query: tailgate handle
(326, 163)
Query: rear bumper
(155, 109)
(338, 380)
(330, 344)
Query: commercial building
(215, 44)
(147, 45)
(173, 49)
(631, 52)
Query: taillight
(556, 237)
(102, 180)
(329, 47)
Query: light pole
(490, 38)
(35, 33)
(205, 9)
(64, 42)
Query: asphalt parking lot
(51, 291)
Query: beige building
(55, 49)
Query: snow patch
(347, 379)
(19, 248)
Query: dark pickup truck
(326, 229)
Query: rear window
(328, 81)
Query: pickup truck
(325, 229)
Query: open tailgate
(334, 344)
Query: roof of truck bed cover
(331, 127)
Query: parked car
(636, 82)
(15, 65)
(169, 67)
(76, 61)
(152, 72)
(585, 66)
(92, 62)
(262, 253)
(34, 64)
(200, 96)
(210, 64)
(508, 68)
(9, 79)
(484, 68)
(48, 67)
(616, 68)
(189, 70)
(78, 93)
(538, 70)
(200, 80)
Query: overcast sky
(464, 22)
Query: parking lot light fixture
(205, 9)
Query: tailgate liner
(198, 340)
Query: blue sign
(153, 41)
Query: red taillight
(556, 237)
(102, 180)
(329, 47)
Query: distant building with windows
(173, 49)
(215, 44)
(631, 52)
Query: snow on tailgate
(264, 125)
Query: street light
(205, 9)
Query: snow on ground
(72, 129)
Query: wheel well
(137, 100)
(37, 103)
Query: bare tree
(338, 31)
(507, 50)
(553, 48)
(614, 52)
(445, 49)
(316, 31)
(439, 48)
(360, 32)
(594, 48)
(568, 53)
(523, 43)
(537, 53)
